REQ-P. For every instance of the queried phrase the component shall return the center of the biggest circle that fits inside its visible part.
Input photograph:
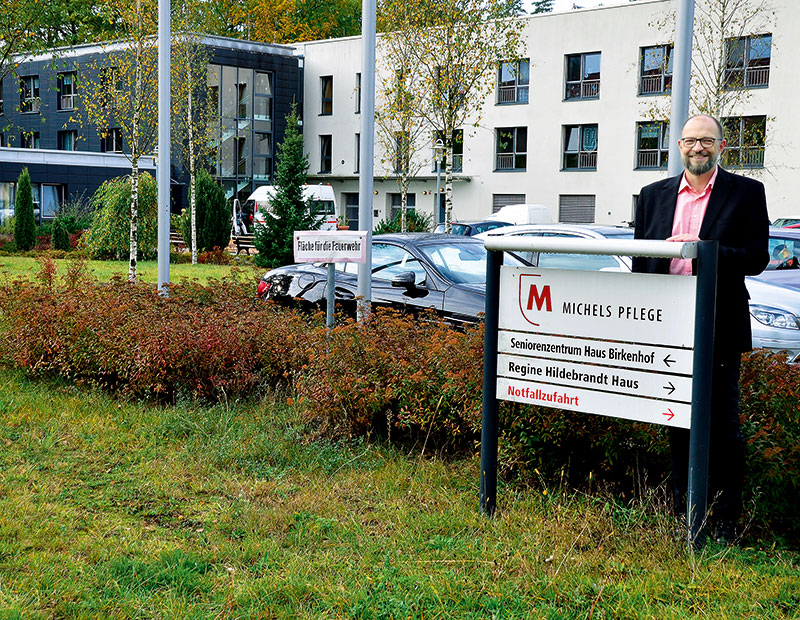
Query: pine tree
(60, 235)
(289, 211)
(213, 217)
(24, 223)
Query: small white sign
(590, 401)
(330, 246)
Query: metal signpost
(330, 247)
(627, 345)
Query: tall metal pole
(164, 157)
(365, 181)
(681, 74)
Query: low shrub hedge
(411, 379)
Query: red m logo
(541, 300)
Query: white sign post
(330, 247)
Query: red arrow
(670, 414)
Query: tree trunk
(192, 167)
(448, 180)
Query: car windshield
(784, 253)
(462, 263)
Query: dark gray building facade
(45, 129)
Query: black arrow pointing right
(670, 388)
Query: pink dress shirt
(689, 211)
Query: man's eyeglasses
(704, 142)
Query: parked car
(790, 220)
(774, 295)
(411, 271)
(468, 229)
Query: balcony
(586, 89)
(511, 161)
(512, 94)
(752, 77)
(585, 160)
(649, 158)
(655, 84)
(744, 157)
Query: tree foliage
(289, 210)
(213, 215)
(120, 92)
(455, 49)
(108, 236)
(24, 222)
(60, 240)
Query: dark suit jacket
(736, 217)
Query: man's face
(699, 159)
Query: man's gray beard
(700, 168)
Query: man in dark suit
(708, 203)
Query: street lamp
(438, 152)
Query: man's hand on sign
(683, 237)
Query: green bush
(109, 234)
(60, 239)
(213, 214)
(7, 225)
(24, 223)
(415, 222)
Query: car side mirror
(405, 279)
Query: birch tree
(456, 47)
(401, 130)
(194, 106)
(120, 95)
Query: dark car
(467, 229)
(411, 271)
(784, 258)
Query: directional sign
(330, 246)
(599, 378)
(609, 343)
(603, 352)
(590, 401)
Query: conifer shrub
(24, 221)
(60, 238)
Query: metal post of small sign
(489, 424)
(330, 298)
(699, 438)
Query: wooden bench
(244, 242)
(176, 241)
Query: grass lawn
(112, 509)
(15, 266)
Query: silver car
(774, 308)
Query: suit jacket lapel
(719, 195)
(666, 211)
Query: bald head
(707, 117)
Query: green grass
(113, 509)
(22, 266)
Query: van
(321, 197)
(523, 214)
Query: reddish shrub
(217, 256)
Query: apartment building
(44, 127)
(579, 123)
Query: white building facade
(579, 125)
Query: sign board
(330, 246)
(609, 343)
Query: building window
(512, 148)
(112, 86)
(325, 153)
(583, 76)
(747, 61)
(746, 136)
(29, 94)
(358, 93)
(29, 139)
(240, 145)
(358, 153)
(512, 81)
(576, 209)
(47, 198)
(111, 141)
(262, 97)
(66, 91)
(397, 203)
(652, 144)
(67, 140)
(262, 156)
(580, 147)
(502, 200)
(458, 151)
(655, 75)
(351, 209)
(243, 87)
(327, 95)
